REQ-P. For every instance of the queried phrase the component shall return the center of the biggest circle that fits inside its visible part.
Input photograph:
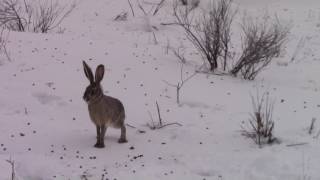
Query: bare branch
(131, 8)
(13, 174)
(297, 144)
(299, 47)
(312, 125)
(169, 24)
(154, 38)
(159, 6)
(169, 124)
(153, 126)
(159, 115)
(141, 8)
(129, 125)
(179, 53)
(121, 17)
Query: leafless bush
(260, 125)
(23, 15)
(49, 15)
(262, 42)
(210, 33)
(13, 15)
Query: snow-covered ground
(45, 126)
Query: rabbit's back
(107, 111)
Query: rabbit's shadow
(86, 138)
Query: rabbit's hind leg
(123, 138)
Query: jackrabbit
(104, 111)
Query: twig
(317, 136)
(299, 47)
(181, 83)
(154, 38)
(159, 115)
(130, 126)
(169, 24)
(167, 47)
(178, 53)
(13, 175)
(297, 144)
(139, 130)
(142, 9)
(169, 125)
(121, 17)
(153, 126)
(158, 7)
(131, 8)
(7, 53)
(160, 124)
(312, 125)
(212, 73)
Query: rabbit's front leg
(99, 143)
(102, 135)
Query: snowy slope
(46, 130)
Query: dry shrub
(260, 125)
(210, 33)
(262, 42)
(49, 15)
(23, 15)
(13, 15)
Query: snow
(45, 126)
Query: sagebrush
(260, 125)
(210, 32)
(262, 42)
(23, 15)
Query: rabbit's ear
(99, 73)
(88, 72)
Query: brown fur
(105, 111)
